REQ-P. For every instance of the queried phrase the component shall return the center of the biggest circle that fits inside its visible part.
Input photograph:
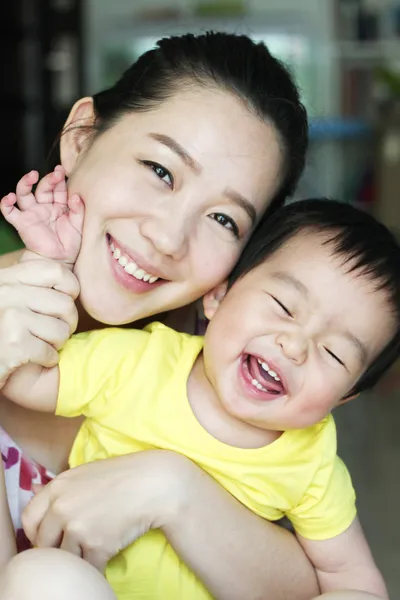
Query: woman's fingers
(44, 301)
(41, 273)
(35, 512)
(27, 337)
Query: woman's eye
(161, 172)
(283, 307)
(335, 357)
(226, 222)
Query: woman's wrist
(168, 475)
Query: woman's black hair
(231, 62)
(365, 247)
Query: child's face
(293, 336)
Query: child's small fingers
(76, 212)
(60, 191)
(24, 193)
(9, 200)
(47, 185)
(9, 210)
(75, 204)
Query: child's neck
(212, 416)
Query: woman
(176, 164)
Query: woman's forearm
(235, 553)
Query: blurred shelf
(373, 51)
(338, 128)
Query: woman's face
(173, 194)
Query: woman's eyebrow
(179, 150)
(243, 203)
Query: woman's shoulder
(10, 259)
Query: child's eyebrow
(360, 346)
(290, 280)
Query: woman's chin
(95, 310)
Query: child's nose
(294, 346)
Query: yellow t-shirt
(131, 386)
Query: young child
(309, 319)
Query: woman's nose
(168, 235)
(293, 345)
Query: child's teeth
(153, 279)
(112, 247)
(269, 371)
(258, 385)
(146, 277)
(117, 253)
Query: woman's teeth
(266, 368)
(131, 267)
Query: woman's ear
(213, 299)
(75, 132)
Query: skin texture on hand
(37, 313)
(168, 491)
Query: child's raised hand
(48, 222)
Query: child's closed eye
(334, 356)
(282, 306)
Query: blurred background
(345, 55)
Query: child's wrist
(28, 255)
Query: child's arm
(48, 222)
(35, 387)
(7, 546)
(344, 565)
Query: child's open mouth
(261, 378)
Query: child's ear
(75, 133)
(213, 299)
(347, 399)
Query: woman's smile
(131, 271)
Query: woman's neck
(182, 319)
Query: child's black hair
(363, 243)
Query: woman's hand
(97, 509)
(37, 313)
(100, 508)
